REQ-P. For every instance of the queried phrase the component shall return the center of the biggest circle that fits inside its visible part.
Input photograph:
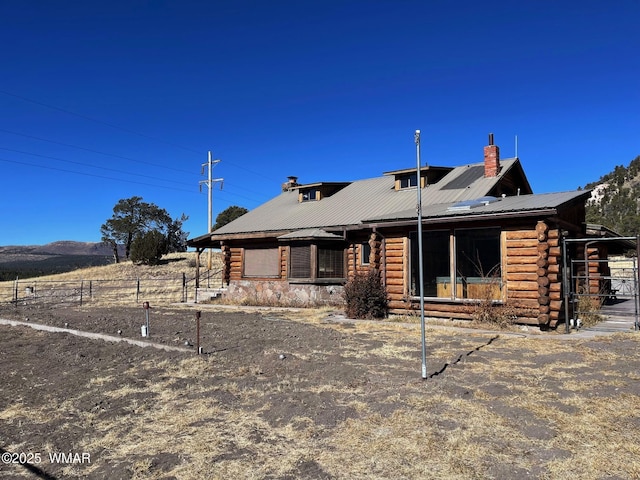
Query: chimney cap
(290, 184)
(491, 139)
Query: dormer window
(408, 181)
(408, 178)
(317, 191)
(310, 194)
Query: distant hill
(25, 261)
(615, 199)
(64, 247)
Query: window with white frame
(365, 253)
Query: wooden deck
(620, 316)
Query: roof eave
(543, 212)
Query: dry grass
(498, 407)
(171, 265)
(117, 284)
(571, 417)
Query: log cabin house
(484, 234)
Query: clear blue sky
(106, 100)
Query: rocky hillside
(615, 199)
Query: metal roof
(376, 198)
(519, 203)
(308, 233)
(470, 175)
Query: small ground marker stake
(198, 348)
(145, 329)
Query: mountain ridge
(615, 199)
(61, 247)
(23, 261)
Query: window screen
(435, 264)
(261, 262)
(330, 263)
(300, 262)
(478, 269)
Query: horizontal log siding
(394, 273)
(226, 259)
(556, 294)
(284, 261)
(521, 272)
(235, 272)
(532, 273)
(352, 264)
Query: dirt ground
(289, 395)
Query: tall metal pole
(420, 269)
(210, 182)
(637, 281)
(210, 185)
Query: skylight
(469, 204)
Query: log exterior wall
(531, 277)
(226, 263)
(531, 264)
(395, 253)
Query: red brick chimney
(491, 159)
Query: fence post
(81, 287)
(15, 292)
(90, 289)
(184, 287)
(137, 289)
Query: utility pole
(210, 182)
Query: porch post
(198, 250)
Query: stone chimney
(491, 159)
(290, 183)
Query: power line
(93, 151)
(85, 117)
(92, 166)
(101, 122)
(112, 178)
(111, 155)
(93, 175)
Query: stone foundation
(272, 293)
